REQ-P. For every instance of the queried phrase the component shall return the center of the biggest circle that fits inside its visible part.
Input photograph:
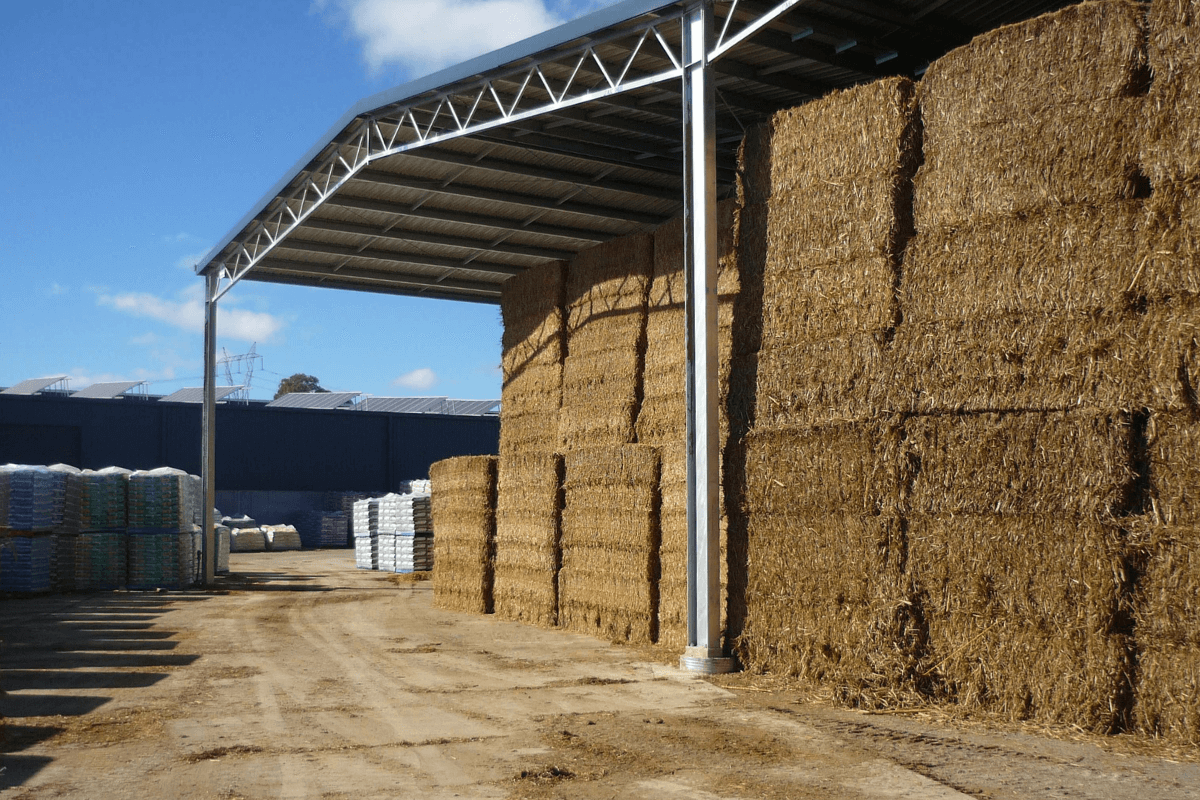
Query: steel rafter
(459, 111)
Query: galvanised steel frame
(480, 106)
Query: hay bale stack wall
(661, 420)
(464, 524)
(824, 590)
(528, 553)
(608, 584)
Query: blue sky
(137, 133)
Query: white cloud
(420, 379)
(57, 289)
(190, 261)
(187, 313)
(425, 35)
(145, 339)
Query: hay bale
(1083, 53)
(608, 584)
(606, 339)
(838, 379)
(1169, 242)
(533, 344)
(826, 598)
(849, 146)
(1035, 160)
(806, 300)
(1167, 633)
(1069, 464)
(753, 184)
(1173, 440)
(464, 524)
(1172, 350)
(528, 554)
(1061, 261)
(1026, 361)
(1171, 127)
(1020, 611)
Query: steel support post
(208, 428)
(704, 652)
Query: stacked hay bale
(464, 524)
(827, 220)
(608, 585)
(661, 420)
(607, 505)
(529, 502)
(1167, 599)
(1018, 358)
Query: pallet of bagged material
(159, 559)
(608, 584)
(366, 551)
(247, 540)
(31, 498)
(281, 537)
(100, 560)
(387, 548)
(463, 503)
(221, 539)
(25, 562)
(103, 499)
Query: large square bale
(528, 516)
(1076, 465)
(1171, 133)
(533, 345)
(464, 532)
(1173, 444)
(1020, 611)
(608, 584)
(1169, 242)
(1167, 633)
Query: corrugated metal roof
(543, 179)
(107, 391)
(429, 405)
(314, 400)
(35, 385)
(196, 394)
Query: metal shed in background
(614, 123)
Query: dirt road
(301, 677)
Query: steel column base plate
(706, 662)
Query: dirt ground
(299, 676)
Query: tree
(299, 383)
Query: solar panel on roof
(472, 408)
(428, 405)
(196, 395)
(107, 391)
(314, 400)
(34, 385)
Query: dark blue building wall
(266, 449)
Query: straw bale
(464, 523)
(827, 602)
(1171, 130)
(1169, 242)
(607, 288)
(608, 583)
(1029, 161)
(1020, 611)
(1086, 52)
(533, 345)
(837, 379)
(753, 227)
(1167, 633)
(528, 511)
(841, 469)
(1060, 261)
(845, 140)
(1172, 350)
(1069, 464)
(805, 300)
(531, 307)
(1021, 361)
(1173, 441)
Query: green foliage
(299, 383)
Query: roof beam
(467, 218)
(374, 288)
(402, 235)
(532, 171)
(380, 176)
(397, 257)
(358, 273)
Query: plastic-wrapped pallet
(239, 522)
(221, 538)
(415, 486)
(103, 495)
(25, 563)
(414, 552)
(366, 553)
(31, 497)
(281, 537)
(324, 529)
(247, 540)
(161, 499)
(68, 515)
(387, 551)
(100, 560)
(159, 560)
(365, 530)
